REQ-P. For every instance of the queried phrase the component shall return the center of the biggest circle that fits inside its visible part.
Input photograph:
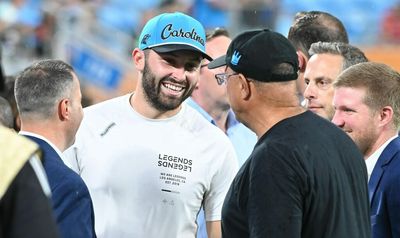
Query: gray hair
(351, 54)
(39, 87)
(6, 114)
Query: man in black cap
(305, 177)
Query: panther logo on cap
(235, 58)
(145, 39)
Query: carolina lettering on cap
(169, 32)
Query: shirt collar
(59, 153)
(372, 159)
(231, 121)
(197, 107)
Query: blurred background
(97, 36)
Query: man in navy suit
(49, 102)
(367, 103)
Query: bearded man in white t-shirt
(150, 161)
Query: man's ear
(302, 60)
(64, 111)
(138, 59)
(385, 116)
(245, 87)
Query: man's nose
(310, 91)
(337, 119)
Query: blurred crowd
(27, 27)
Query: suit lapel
(384, 159)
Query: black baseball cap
(255, 53)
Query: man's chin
(316, 110)
(167, 104)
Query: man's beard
(366, 140)
(153, 93)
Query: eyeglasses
(223, 77)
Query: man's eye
(348, 110)
(324, 83)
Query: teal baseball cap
(169, 32)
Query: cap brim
(170, 48)
(218, 62)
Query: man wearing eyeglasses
(305, 177)
(209, 98)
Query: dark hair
(39, 87)
(283, 70)
(314, 26)
(351, 54)
(213, 33)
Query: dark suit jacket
(384, 193)
(72, 204)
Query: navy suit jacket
(72, 204)
(384, 193)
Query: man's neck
(264, 120)
(47, 130)
(221, 119)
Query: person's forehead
(217, 46)
(349, 95)
(326, 57)
(324, 64)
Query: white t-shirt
(148, 178)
